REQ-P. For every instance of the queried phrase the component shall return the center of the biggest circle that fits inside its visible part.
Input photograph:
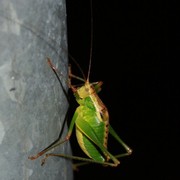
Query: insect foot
(44, 159)
(129, 151)
(33, 157)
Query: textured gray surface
(32, 103)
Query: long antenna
(91, 42)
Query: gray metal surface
(32, 103)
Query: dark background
(134, 54)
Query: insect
(91, 121)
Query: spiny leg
(87, 160)
(115, 135)
(58, 142)
(87, 130)
(94, 139)
(126, 147)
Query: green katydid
(91, 120)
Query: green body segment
(91, 111)
(88, 114)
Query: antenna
(91, 41)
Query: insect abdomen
(88, 146)
(99, 129)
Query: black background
(134, 54)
